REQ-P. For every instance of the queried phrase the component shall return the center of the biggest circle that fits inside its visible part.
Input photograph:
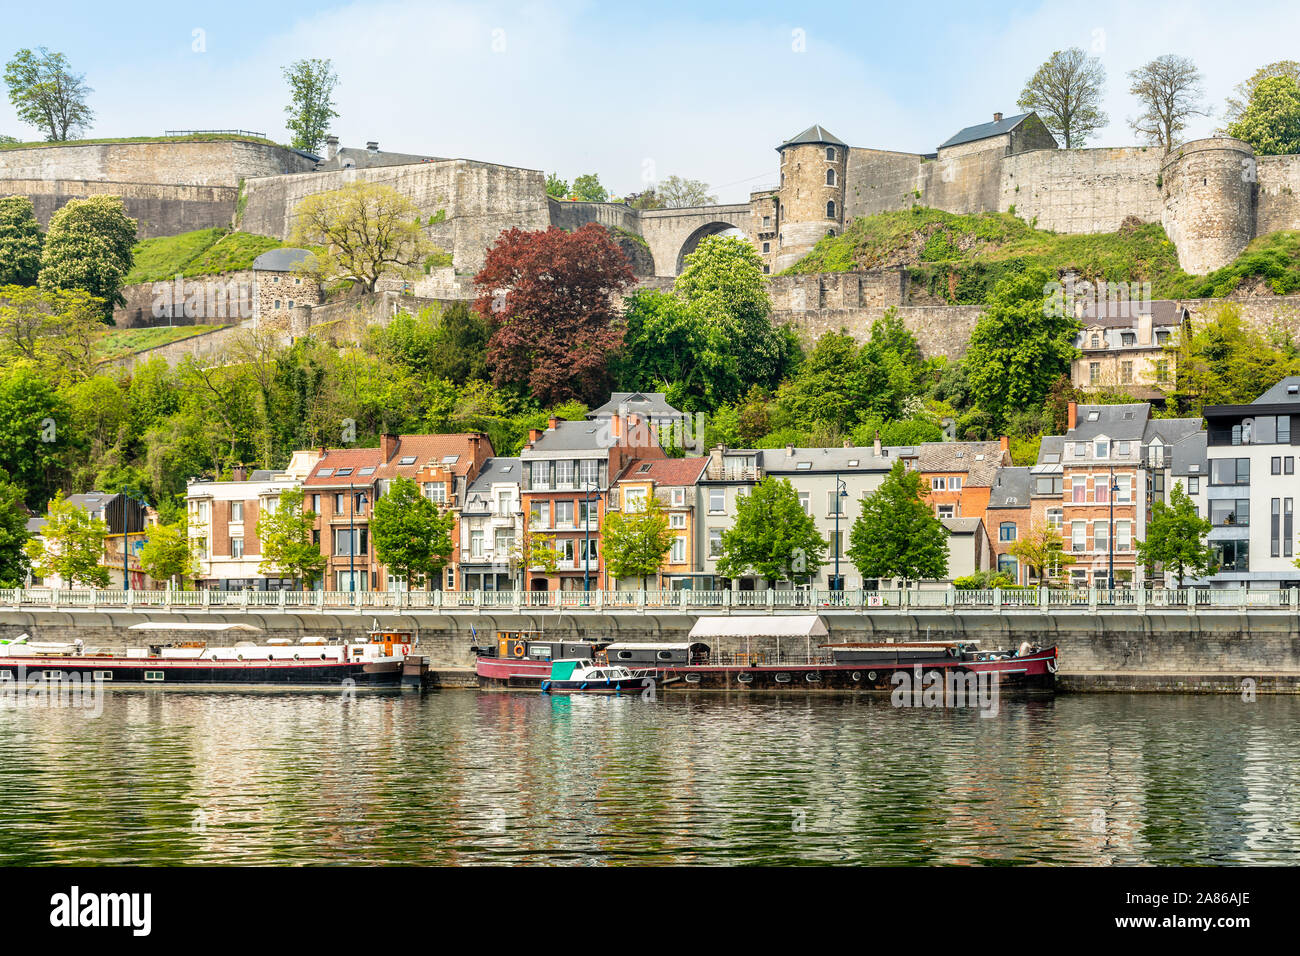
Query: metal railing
(807, 600)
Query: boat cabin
(533, 646)
(657, 655)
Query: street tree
(71, 546)
(361, 233)
(897, 535)
(45, 93)
(1066, 94)
(167, 554)
(1170, 92)
(411, 535)
(1042, 552)
(90, 246)
(288, 548)
(772, 537)
(311, 101)
(635, 542)
(20, 241)
(1176, 537)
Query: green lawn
(202, 252)
(122, 342)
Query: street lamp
(352, 542)
(841, 491)
(1110, 537)
(590, 487)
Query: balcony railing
(806, 600)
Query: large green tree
(772, 537)
(34, 432)
(167, 554)
(412, 537)
(1066, 93)
(1042, 551)
(1176, 537)
(1020, 346)
(90, 246)
(677, 192)
(556, 187)
(1224, 362)
(287, 545)
(56, 332)
(1169, 90)
(588, 188)
(1271, 120)
(1235, 104)
(14, 561)
(46, 93)
(636, 542)
(71, 546)
(311, 101)
(897, 535)
(20, 241)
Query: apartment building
(729, 474)
(1124, 349)
(1252, 489)
(958, 476)
(673, 482)
(222, 520)
(1010, 516)
(568, 471)
(491, 528)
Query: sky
(635, 93)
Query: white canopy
(161, 626)
(770, 625)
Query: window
(291, 303)
(540, 475)
(677, 521)
(1284, 430)
(1123, 489)
(436, 491)
(717, 500)
(539, 514)
(1008, 565)
(277, 303)
(350, 541)
(678, 497)
(564, 473)
(315, 504)
(1277, 470)
(830, 209)
(1078, 535)
(236, 511)
(1232, 555)
(340, 503)
(154, 675)
(1123, 535)
(504, 543)
(830, 154)
(1122, 449)
(564, 514)
(1193, 486)
(1275, 529)
(1288, 465)
(805, 502)
(1288, 529)
(1101, 536)
(834, 503)
(1081, 449)
(938, 484)
(954, 483)
(1049, 485)
(715, 542)
(1007, 531)
(1230, 471)
(476, 544)
(634, 499)
(1162, 370)
(678, 553)
(1230, 512)
(1126, 372)
(1094, 342)
(1078, 490)
(830, 181)
(1101, 490)
(767, 247)
(1128, 338)
(236, 547)
(1055, 518)
(581, 505)
(589, 472)
(1103, 448)
(946, 511)
(1094, 373)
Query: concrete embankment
(1106, 651)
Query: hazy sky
(704, 90)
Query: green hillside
(202, 252)
(192, 138)
(123, 342)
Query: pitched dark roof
(986, 130)
(1279, 394)
(815, 134)
(280, 260)
(1011, 487)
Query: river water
(182, 776)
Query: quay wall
(1118, 651)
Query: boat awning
(771, 625)
(160, 626)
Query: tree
(287, 545)
(361, 233)
(412, 537)
(556, 187)
(55, 332)
(46, 93)
(34, 427)
(90, 246)
(311, 103)
(636, 542)
(548, 298)
(20, 241)
(1066, 93)
(71, 546)
(773, 536)
(1176, 537)
(1271, 121)
(1223, 362)
(897, 535)
(14, 562)
(677, 192)
(1169, 89)
(1243, 92)
(1042, 551)
(167, 554)
(1019, 346)
(589, 189)
(646, 199)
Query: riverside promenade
(1228, 641)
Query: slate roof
(665, 472)
(592, 437)
(352, 157)
(1050, 451)
(495, 471)
(1011, 488)
(1278, 394)
(652, 405)
(985, 130)
(1188, 452)
(1117, 422)
(776, 461)
(280, 260)
(815, 134)
(961, 525)
(1171, 430)
(1164, 313)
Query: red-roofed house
(673, 482)
(345, 482)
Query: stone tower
(810, 198)
(1209, 189)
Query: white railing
(808, 600)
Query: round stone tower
(810, 198)
(1209, 188)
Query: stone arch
(702, 233)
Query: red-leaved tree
(547, 296)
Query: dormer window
(1095, 341)
(1102, 448)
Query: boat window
(6, 675)
(103, 675)
(665, 655)
(624, 655)
(153, 675)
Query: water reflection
(174, 777)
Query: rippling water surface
(187, 776)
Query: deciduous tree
(90, 246)
(286, 536)
(588, 188)
(897, 535)
(46, 93)
(772, 537)
(556, 187)
(167, 554)
(412, 537)
(636, 542)
(1169, 90)
(71, 546)
(1066, 93)
(1176, 537)
(1242, 93)
(55, 332)
(311, 101)
(1271, 120)
(20, 241)
(14, 562)
(1042, 551)
(677, 192)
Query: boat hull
(385, 673)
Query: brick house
(673, 482)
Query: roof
(280, 260)
(1050, 450)
(814, 135)
(851, 459)
(1011, 488)
(665, 471)
(1287, 391)
(978, 459)
(962, 525)
(767, 625)
(1170, 431)
(595, 437)
(1189, 456)
(495, 471)
(980, 131)
(1118, 422)
(652, 405)
(420, 449)
(1163, 312)
(351, 157)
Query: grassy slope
(122, 342)
(959, 258)
(202, 252)
(197, 138)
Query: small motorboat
(586, 676)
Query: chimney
(331, 147)
(387, 445)
(847, 443)
(552, 423)
(1071, 414)
(534, 434)
(789, 451)
(875, 444)
(372, 146)
(997, 117)
(1004, 443)
(239, 473)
